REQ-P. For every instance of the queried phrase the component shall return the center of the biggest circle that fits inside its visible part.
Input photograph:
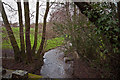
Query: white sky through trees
(13, 15)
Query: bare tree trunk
(21, 30)
(67, 8)
(74, 10)
(44, 32)
(27, 31)
(36, 28)
(10, 34)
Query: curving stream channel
(54, 65)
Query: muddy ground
(83, 70)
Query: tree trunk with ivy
(119, 22)
(115, 61)
(84, 6)
(116, 58)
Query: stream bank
(54, 66)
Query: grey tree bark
(10, 34)
(43, 33)
(27, 31)
(36, 28)
(22, 45)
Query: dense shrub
(86, 42)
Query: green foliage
(85, 40)
(107, 24)
(98, 44)
(80, 33)
(53, 43)
(109, 27)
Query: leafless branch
(12, 9)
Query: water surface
(54, 65)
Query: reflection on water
(54, 65)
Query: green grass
(51, 43)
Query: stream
(54, 65)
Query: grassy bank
(51, 43)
